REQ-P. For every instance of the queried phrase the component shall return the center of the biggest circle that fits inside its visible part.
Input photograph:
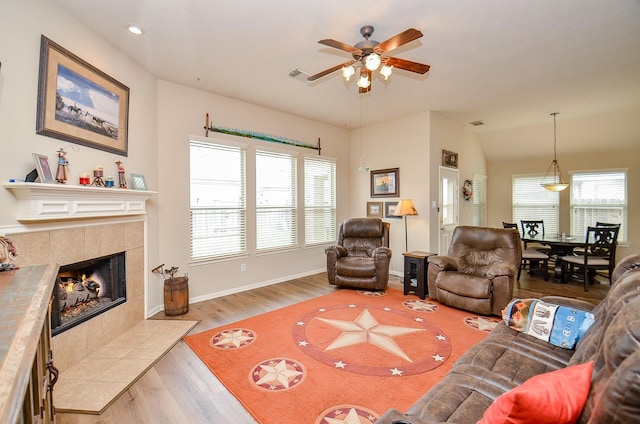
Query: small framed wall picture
(374, 209)
(385, 182)
(42, 168)
(390, 210)
(138, 182)
(449, 159)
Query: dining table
(559, 245)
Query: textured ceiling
(508, 63)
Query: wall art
(79, 103)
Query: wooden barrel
(176, 296)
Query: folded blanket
(559, 325)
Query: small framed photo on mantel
(43, 169)
(138, 182)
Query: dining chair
(581, 250)
(533, 259)
(601, 243)
(533, 228)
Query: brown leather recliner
(362, 256)
(479, 270)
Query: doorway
(448, 211)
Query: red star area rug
(345, 357)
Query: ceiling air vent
(298, 74)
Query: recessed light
(135, 29)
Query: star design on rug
(366, 329)
(372, 293)
(303, 343)
(438, 358)
(396, 371)
(278, 372)
(441, 337)
(340, 364)
(420, 306)
(351, 418)
(233, 338)
(482, 323)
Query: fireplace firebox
(87, 289)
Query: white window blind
(479, 199)
(276, 205)
(599, 196)
(319, 201)
(218, 205)
(530, 201)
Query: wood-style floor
(181, 389)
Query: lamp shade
(405, 207)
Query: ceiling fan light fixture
(372, 61)
(348, 71)
(364, 82)
(386, 71)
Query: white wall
(400, 143)
(181, 112)
(161, 117)
(448, 135)
(21, 24)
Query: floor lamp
(405, 207)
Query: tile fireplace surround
(78, 243)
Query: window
(479, 200)
(599, 196)
(218, 207)
(276, 205)
(319, 201)
(532, 202)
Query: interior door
(448, 211)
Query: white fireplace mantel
(44, 202)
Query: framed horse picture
(79, 103)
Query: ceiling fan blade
(408, 65)
(341, 46)
(398, 40)
(328, 71)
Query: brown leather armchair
(362, 256)
(479, 270)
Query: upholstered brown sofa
(361, 258)
(507, 358)
(479, 270)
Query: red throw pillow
(555, 397)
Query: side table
(415, 272)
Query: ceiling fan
(368, 56)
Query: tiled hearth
(78, 243)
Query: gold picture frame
(79, 103)
(449, 159)
(374, 209)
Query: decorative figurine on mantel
(61, 172)
(122, 180)
(98, 173)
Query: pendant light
(557, 184)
